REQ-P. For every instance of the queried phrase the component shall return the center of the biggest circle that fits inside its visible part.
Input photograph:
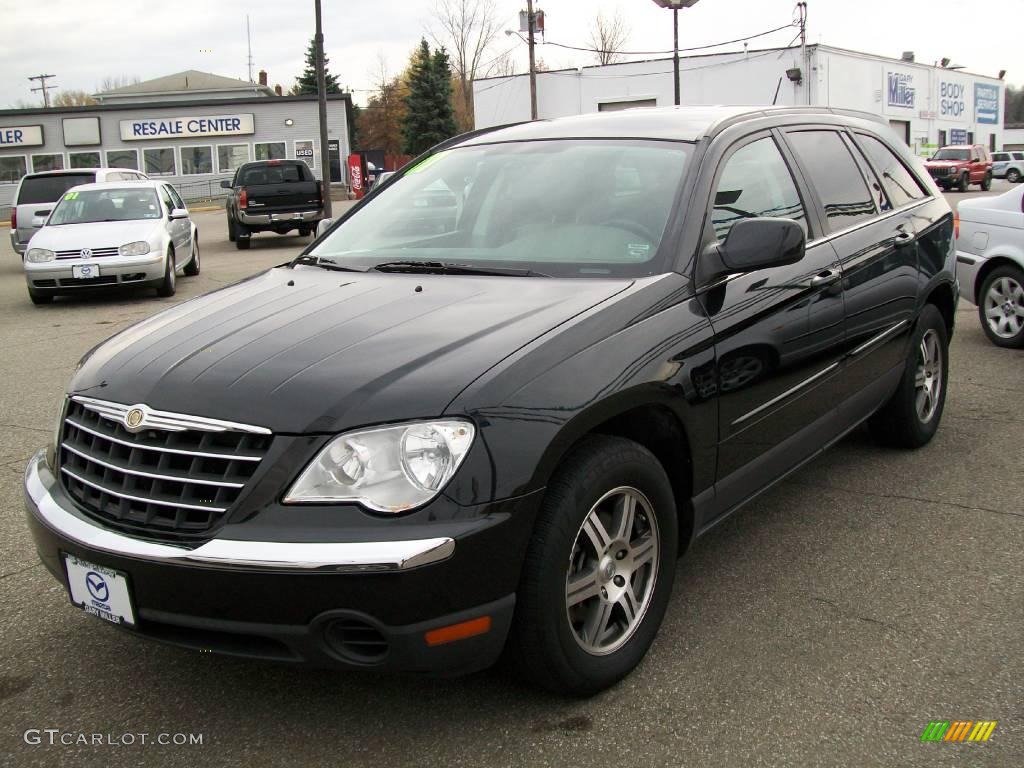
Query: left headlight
(39, 255)
(386, 469)
(138, 248)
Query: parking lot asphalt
(825, 624)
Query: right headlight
(39, 255)
(138, 248)
(386, 469)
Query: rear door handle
(827, 277)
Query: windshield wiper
(449, 268)
(320, 261)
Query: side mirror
(323, 225)
(760, 243)
(179, 213)
(225, 183)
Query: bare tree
(109, 83)
(73, 98)
(467, 29)
(607, 36)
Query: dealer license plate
(85, 271)
(103, 592)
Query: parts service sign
(147, 129)
(986, 103)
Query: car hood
(944, 163)
(306, 350)
(98, 234)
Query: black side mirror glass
(225, 183)
(762, 242)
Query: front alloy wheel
(612, 571)
(928, 378)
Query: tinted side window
(842, 189)
(755, 182)
(166, 198)
(49, 189)
(176, 198)
(900, 185)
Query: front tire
(1001, 307)
(168, 285)
(599, 569)
(40, 299)
(193, 267)
(911, 417)
(965, 183)
(986, 182)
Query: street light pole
(533, 66)
(321, 90)
(676, 6)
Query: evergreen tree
(306, 83)
(429, 117)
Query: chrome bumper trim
(281, 218)
(357, 556)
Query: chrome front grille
(95, 253)
(168, 476)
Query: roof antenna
(248, 37)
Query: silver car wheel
(1004, 307)
(612, 571)
(928, 380)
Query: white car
(990, 263)
(112, 233)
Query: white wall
(1014, 137)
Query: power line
(43, 87)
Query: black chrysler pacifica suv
(488, 408)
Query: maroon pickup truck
(960, 166)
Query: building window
(304, 151)
(123, 158)
(942, 139)
(274, 150)
(47, 163)
(159, 161)
(12, 169)
(196, 160)
(970, 137)
(84, 159)
(230, 156)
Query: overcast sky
(83, 42)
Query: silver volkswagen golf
(112, 233)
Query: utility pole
(248, 38)
(530, 24)
(43, 87)
(675, 51)
(321, 90)
(804, 61)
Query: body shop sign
(986, 103)
(186, 127)
(952, 99)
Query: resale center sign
(187, 127)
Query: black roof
(670, 123)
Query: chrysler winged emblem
(134, 418)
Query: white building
(928, 106)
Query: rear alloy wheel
(986, 183)
(599, 569)
(168, 285)
(1013, 175)
(965, 182)
(1001, 308)
(192, 268)
(911, 417)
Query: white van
(38, 192)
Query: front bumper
(295, 601)
(278, 218)
(58, 276)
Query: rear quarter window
(834, 173)
(49, 189)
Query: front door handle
(827, 277)
(903, 239)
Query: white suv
(37, 193)
(1008, 165)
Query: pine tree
(306, 83)
(429, 117)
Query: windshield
(47, 189)
(81, 207)
(568, 208)
(951, 154)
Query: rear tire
(192, 268)
(607, 525)
(1013, 176)
(965, 182)
(169, 284)
(986, 182)
(1001, 307)
(231, 229)
(911, 417)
